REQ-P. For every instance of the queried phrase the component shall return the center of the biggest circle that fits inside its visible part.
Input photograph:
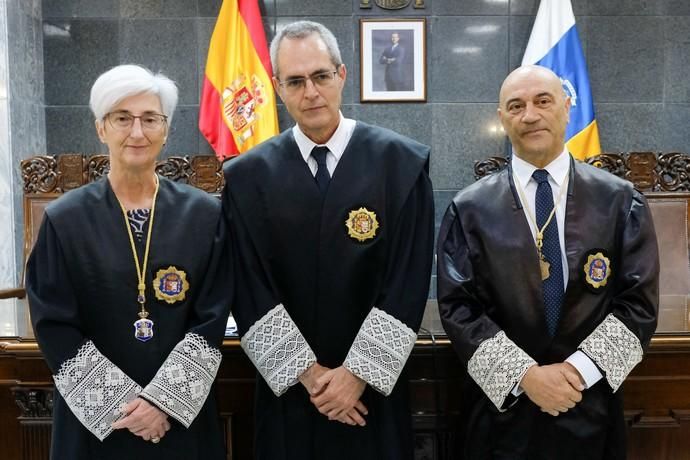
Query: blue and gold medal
(170, 284)
(597, 268)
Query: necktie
(552, 287)
(322, 176)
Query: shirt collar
(336, 144)
(557, 169)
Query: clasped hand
(143, 419)
(554, 388)
(336, 393)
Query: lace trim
(184, 381)
(278, 349)
(614, 348)
(95, 389)
(380, 350)
(497, 366)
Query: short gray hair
(124, 81)
(303, 29)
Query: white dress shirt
(336, 144)
(558, 170)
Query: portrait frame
(392, 69)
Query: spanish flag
(238, 107)
(555, 43)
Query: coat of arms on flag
(240, 103)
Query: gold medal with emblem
(170, 284)
(362, 224)
(597, 269)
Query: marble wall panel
(151, 42)
(677, 62)
(157, 8)
(627, 63)
(461, 135)
(470, 7)
(75, 53)
(184, 132)
(412, 120)
(530, 7)
(630, 127)
(306, 8)
(626, 7)
(81, 8)
(71, 129)
(471, 58)
(676, 124)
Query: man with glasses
(332, 222)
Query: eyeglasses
(321, 80)
(123, 121)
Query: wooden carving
(60, 173)
(40, 174)
(675, 172)
(489, 166)
(207, 173)
(34, 402)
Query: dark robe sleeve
(388, 333)
(616, 345)
(494, 361)
(92, 386)
(184, 380)
(269, 336)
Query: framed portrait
(392, 60)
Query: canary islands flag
(238, 107)
(554, 43)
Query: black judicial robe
(489, 281)
(82, 288)
(294, 250)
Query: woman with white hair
(128, 286)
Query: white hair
(300, 30)
(124, 81)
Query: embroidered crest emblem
(597, 270)
(170, 284)
(240, 102)
(362, 224)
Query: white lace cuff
(95, 389)
(184, 381)
(497, 366)
(614, 348)
(380, 350)
(278, 349)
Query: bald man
(548, 289)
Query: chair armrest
(13, 293)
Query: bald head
(534, 111)
(529, 73)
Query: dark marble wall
(637, 50)
(26, 97)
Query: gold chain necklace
(544, 265)
(143, 327)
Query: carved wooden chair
(664, 178)
(47, 177)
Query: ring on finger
(155, 439)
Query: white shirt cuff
(517, 390)
(588, 370)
